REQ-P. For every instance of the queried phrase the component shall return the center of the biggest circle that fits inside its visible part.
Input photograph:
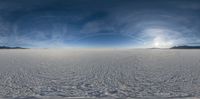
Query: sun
(160, 42)
(156, 44)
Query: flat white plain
(99, 73)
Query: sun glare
(159, 42)
(156, 44)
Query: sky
(99, 23)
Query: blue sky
(99, 23)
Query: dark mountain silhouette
(7, 47)
(186, 47)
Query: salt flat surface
(106, 73)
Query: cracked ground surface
(91, 73)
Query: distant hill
(7, 47)
(186, 47)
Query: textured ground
(37, 73)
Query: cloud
(186, 5)
(38, 23)
(5, 30)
